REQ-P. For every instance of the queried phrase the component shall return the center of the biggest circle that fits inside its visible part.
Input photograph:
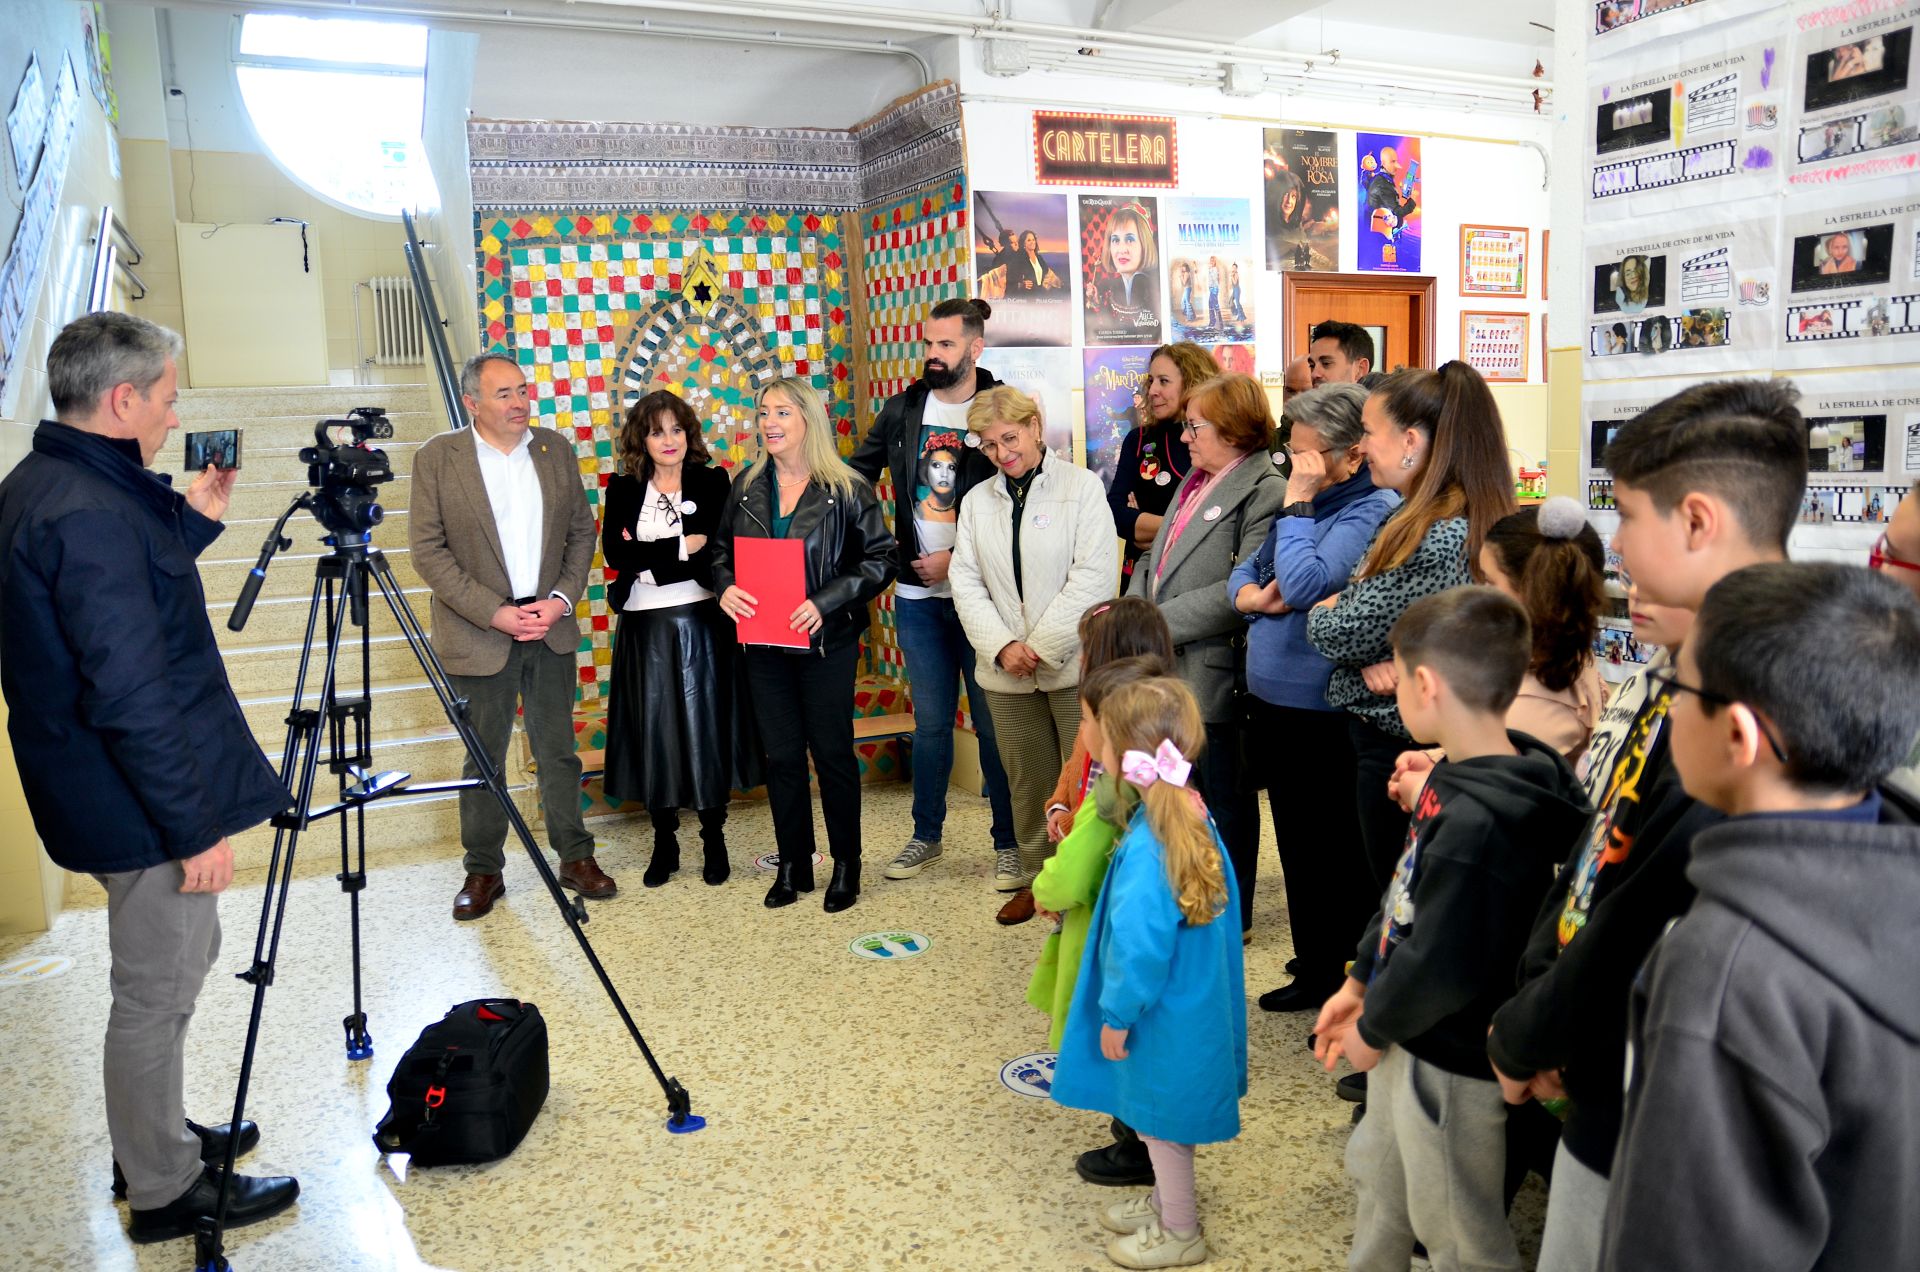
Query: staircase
(410, 731)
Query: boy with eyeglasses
(1707, 482)
(1773, 1106)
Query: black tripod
(340, 593)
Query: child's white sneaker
(1154, 1247)
(1131, 1215)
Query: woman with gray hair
(1331, 513)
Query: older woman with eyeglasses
(1221, 513)
(1332, 510)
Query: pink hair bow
(1165, 765)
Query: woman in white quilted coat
(1036, 547)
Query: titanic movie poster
(1302, 169)
(1020, 267)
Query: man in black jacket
(921, 440)
(136, 761)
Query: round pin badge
(889, 946)
(1163, 479)
(1030, 1075)
(1041, 521)
(1211, 514)
(33, 967)
(771, 861)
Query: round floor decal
(771, 861)
(1029, 1075)
(889, 945)
(35, 967)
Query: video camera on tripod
(343, 473)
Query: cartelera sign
(1104, 150)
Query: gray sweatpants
(1428, 1162)
(163, 943)
(1576, 1216)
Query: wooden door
(1398, 310)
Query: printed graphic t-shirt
(936, 491)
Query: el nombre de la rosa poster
(1301, 168)
(1116, 401)
(1210, 270)
(1120, 269)
(1390, 196)
(1022, 266)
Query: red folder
(774, 573)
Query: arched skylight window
(337, 103)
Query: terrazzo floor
(856, 1115)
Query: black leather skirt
(679, 731)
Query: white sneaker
(1130, 1215)
(1154, 1247)
(1008, 874)
(915, 857)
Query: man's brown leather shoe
(477, 896)
(587, 878)
(1018, 909)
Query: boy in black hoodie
(1773, 1116)
(1707, 482)
(1429, 1157)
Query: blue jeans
(938, 656)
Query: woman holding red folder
(801, 673)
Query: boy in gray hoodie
(1773, 1102)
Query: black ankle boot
(844, 889)
(666, 850)
(789, 878)
(715, 868)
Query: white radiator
(399, 339)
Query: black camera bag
(469, 1088)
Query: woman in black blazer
(674, 735)
(799, 488)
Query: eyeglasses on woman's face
(1882, 557)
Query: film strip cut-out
(1600, 496)
(1850, 319)
(1715, 104)
(1676, 167)
(1707, 276)
(1850, 505)
(1876, 128)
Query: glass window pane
(353, 138)
(334, 40)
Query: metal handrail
(444, 371)
(107, 258)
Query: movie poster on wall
(1046, 376)
(1120, 268)
(1302, 171)
(1623, 24)
(1391, 195)
(1210, 270)
(1115, 401)
(1021, 254)
(1852, 276)
(1700, 296)
(1683, 123)
(1856, 93)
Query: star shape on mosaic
(700, 286)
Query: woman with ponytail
(1157, 1033)
(1550, 560)
(1435, 438)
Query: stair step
(256, 671)
(402, 709)
(291, 573)
(283, 619)
(399, 830)
(316, 400)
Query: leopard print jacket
(1352, 633)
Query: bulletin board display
(1496, 344)
(1494, 260)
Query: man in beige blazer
(503, 535)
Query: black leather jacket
(848, 550)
